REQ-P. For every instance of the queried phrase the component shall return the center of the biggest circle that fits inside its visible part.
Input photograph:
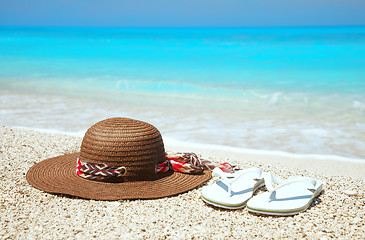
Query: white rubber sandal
(290, 197)
(234, 190)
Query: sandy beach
(27, 213)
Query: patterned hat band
(179, 162)
(98, 171)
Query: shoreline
(28, 213)
(327, 166)
(174, 142)
(246, 129)
(331, 165)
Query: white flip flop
(290, 197)
(234, 190)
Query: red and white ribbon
(180, 162)
(191, 163)
(98, 171)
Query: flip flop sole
(235, 206)
(281, 213)
(286, 213)
(224, 205)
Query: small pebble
(27, 213)
(356, 220)
(350, 192)
(115, 203)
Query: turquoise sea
(299, 90)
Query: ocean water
(298, 90)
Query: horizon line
(91, 26)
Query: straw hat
(130, 149)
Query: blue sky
(183, 13)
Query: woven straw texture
(136, 145)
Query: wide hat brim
(58, 175)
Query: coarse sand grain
(27, 213)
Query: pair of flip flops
(235, 190)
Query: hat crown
(133, 144)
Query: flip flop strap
(229, 182)
(283, 183)
(270, 179)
